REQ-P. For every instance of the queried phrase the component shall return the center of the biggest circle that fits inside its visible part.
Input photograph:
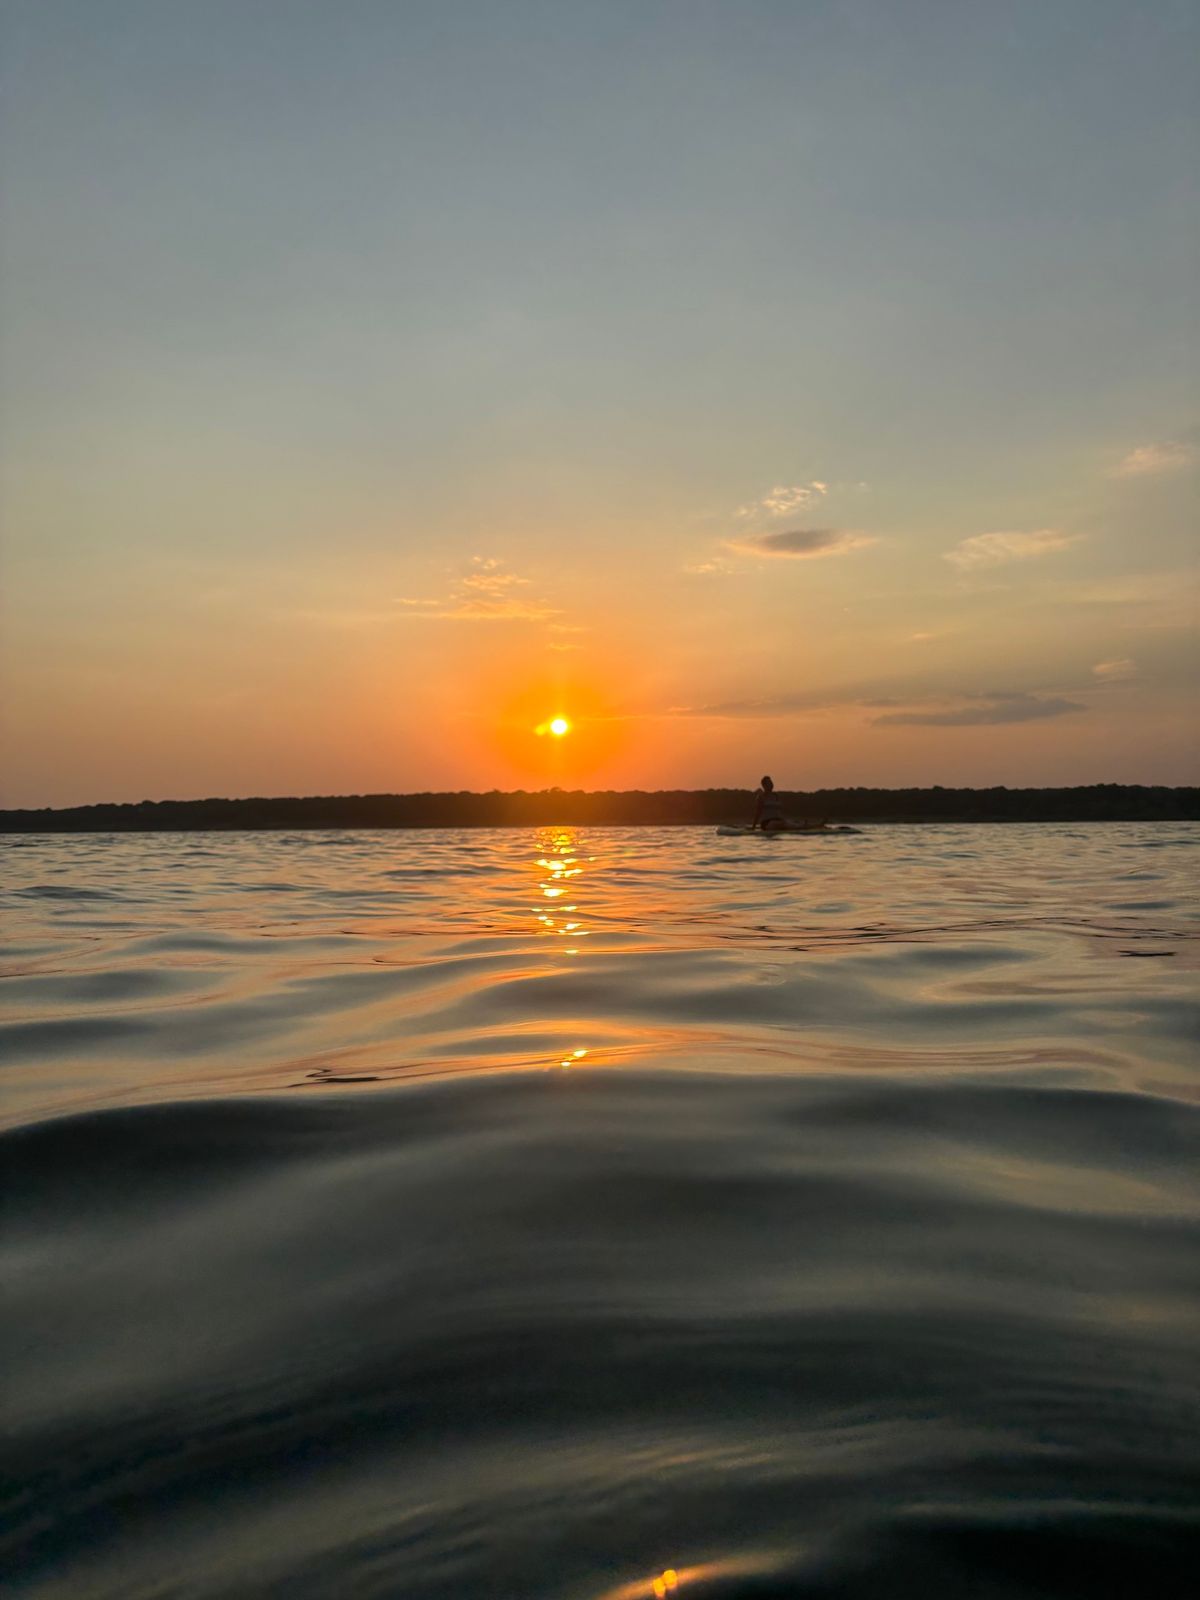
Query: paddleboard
(775, 833)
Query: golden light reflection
(674, 1580)
(559, 860)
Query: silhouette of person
(768, 813)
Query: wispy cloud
(997, 549)
(983, 711)
(1135, 589)
(474, 609)
(758, 537)
(787, 705)
(784, 499)
(802, 543)
(1115, 671)
(564, 632)
(709, 569)
(923, 710)
(1150, 460)
(1144, 600)
(777, 706)
(486, 592)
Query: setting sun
(559, 726)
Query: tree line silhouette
(1100, 802)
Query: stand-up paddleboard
(774, 833)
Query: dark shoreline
(1105, 802)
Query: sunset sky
(781, 385)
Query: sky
(802, 386)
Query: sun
(559, 726)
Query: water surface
(593, 1213)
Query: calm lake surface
(586, 1214)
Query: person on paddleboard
(769, 814)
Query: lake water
(590, 1215)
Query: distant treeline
(1100, 802)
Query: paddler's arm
(758, 805)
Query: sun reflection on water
(559, 858)
(673, 1580)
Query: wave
(725, 1234)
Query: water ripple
(591, 1216)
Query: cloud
(472, 610)
(1144, 600)
(1149, 460)
(784, 499)
(1134, 589)
(485, 593)
(561, 644)
(705, 569)
(995, 549)
(787, 705)
(950, 710)
(1115, 671)
(983, 711)
(488, 577)
(803, 543)
(777, 706)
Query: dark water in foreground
(607, 1214)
